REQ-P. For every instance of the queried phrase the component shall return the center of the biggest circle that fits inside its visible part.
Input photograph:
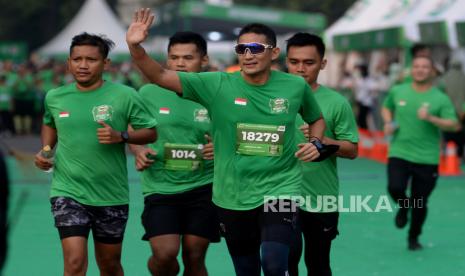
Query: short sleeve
(447, 110)
(139, 114)
(200, 87)
(48, 116)
(310, 110)
(345, 127)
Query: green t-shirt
(416, 140)
(253, 129)
(85, 170)
(321, 178)
(23, 89)
(181, 129)
(5, 98)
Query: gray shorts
(75, 219)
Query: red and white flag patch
(63, 114)
(240, 101)
(164, 110)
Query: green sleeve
(200, 87)
(310, 110)
(345, 127)
(139, 114)
(389, 100)
(48, 117)
(447, 110)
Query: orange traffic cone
(450, 162)
(365, 144)
(380, 148)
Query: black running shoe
(414, 245)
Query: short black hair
(189, 37)
(307, 39)
(261, 29)
(417, 47)
(103, 43)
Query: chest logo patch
(201, 115)
(279, 105)
(102, 113)
(402, 103)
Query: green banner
(242, 13)
(16, 51)
(434, 33)
(365, 41)
(460, 28)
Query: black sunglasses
(254, 48)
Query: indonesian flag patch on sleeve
(63, 114)
(164, 110)
(240, 101)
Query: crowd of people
(214, 147)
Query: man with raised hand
(177, 177)
(305, 57)
(253, 115)
(87, 120)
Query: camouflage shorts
(75, 219)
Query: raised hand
(139, 28)
(107, 135)
(207, 150)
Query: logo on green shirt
(201, 115)
(279, 105)
(102, 113)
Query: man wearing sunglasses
(253, 115)
(305, 57)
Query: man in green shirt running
(414, 113)
(87, 120)
(253, 115)
(305, 57)
(177, 181)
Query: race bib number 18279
(257, 139)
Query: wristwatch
(124, 136)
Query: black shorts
(244, 231)
(75, 219)
(319, 225)
(190, 213)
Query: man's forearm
(48, 136)
(444, 124)
(317, 129)
(347, 149)
(142, 136)
(153, 70)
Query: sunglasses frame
(266, 46)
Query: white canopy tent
(357, 19)
(443, 19)
(95, 16)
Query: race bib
(183, 157)
(262, 140)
